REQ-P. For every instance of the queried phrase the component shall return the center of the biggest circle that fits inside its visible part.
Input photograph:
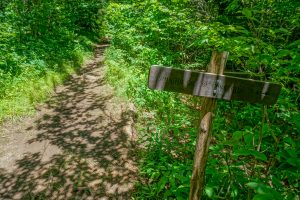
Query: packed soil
(79, 145)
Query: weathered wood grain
(245, 75)
(212, 85)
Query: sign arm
(217, 66)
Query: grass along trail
(79, 145)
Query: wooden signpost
(212, 85)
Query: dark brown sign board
(243, 75)
(240, 74)
(212, 85)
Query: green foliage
(255, 151)
(41, 43)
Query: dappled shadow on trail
(81, 147)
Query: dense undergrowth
(41, 43)
(255, 150)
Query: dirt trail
(80, 144)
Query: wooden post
(216, 66)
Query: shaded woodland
(255, 149)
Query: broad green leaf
(283, 53)
(247, 13)
(296, 120)
(161, 184)
(237, 135)
(246, 152)
(264, 191)
(209, 191)
(263, 197)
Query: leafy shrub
(41, 42)
(254, 153)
